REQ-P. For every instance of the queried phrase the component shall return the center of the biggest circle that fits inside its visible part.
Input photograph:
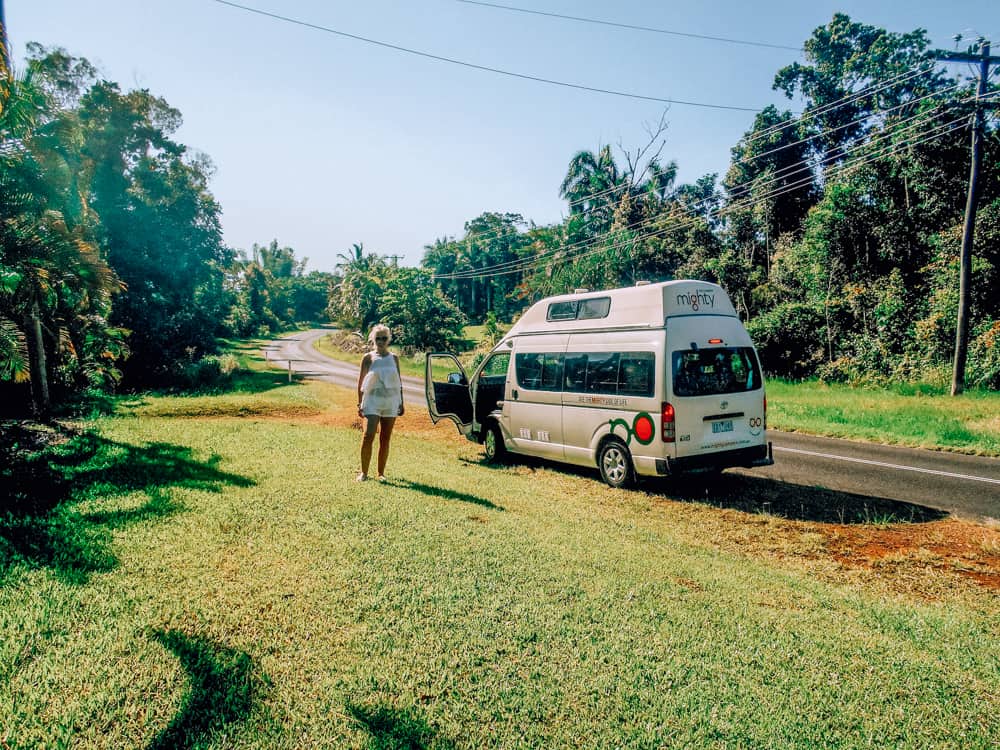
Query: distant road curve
(966, 486)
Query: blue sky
(322, 141)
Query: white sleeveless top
(381, 387)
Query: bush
(790, 339)
(207, 372)
(983, 369)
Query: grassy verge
(202, 572)
(905, 416)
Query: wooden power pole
(971, 205)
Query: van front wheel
(615, 463)
(493, 444)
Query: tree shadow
(46, 472)
(224, 687)
(397, 729)
(761, 495)
(429, 489)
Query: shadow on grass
(431, 490)
(224, 687)
(758, 495)
(46, 472)
(397, 729)
(795, 502)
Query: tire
(615, 463)
(493, 445)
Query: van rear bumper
(758, 455)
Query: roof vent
(580, 291)
(642, 283)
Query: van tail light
(667, 418)
(765, 412)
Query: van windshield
(708, 372)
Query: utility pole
(971, 205)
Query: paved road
(966, 486)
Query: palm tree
(351, 257)
(51, 276)
(591, 181)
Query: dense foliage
(836, 232)
(112, 264)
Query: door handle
(513, 393)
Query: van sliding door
(536, 421)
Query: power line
(903, 125)
(861, 161)
(814, 136)
(485, 68)
(631, 26)
(524, 264)
(842, 101)
(776, 177)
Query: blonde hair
(376, 330)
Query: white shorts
(383, 412)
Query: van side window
(592, 309)
(495, 369)
(585, 309)
(552, 372)
(602, 372)
(636, 374)
(611, 373)
(575, 373)
(538, 371)
(562, 311)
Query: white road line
(891, 466)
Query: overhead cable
(901, 126)
(632, 27)
(524, 264)
(485, 68)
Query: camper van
(651, 380)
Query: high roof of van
(643, 305)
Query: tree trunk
(39, 371)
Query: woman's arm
(402, 408)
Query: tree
(56, 289)
(354, 300)
(420, 316)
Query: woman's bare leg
(384, 436)
(366, 443)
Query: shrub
(983, 369)
(790, 339)
(206, 372)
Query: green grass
(202, 572)
(921, 417)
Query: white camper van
(649, 380)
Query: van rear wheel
(493, 444)
(615, 463)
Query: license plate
(725, 425)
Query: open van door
(447, 389)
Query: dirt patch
(959, 547)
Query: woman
(380, 399)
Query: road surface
(965, 486)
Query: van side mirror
(456, 378)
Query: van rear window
(709, 372)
